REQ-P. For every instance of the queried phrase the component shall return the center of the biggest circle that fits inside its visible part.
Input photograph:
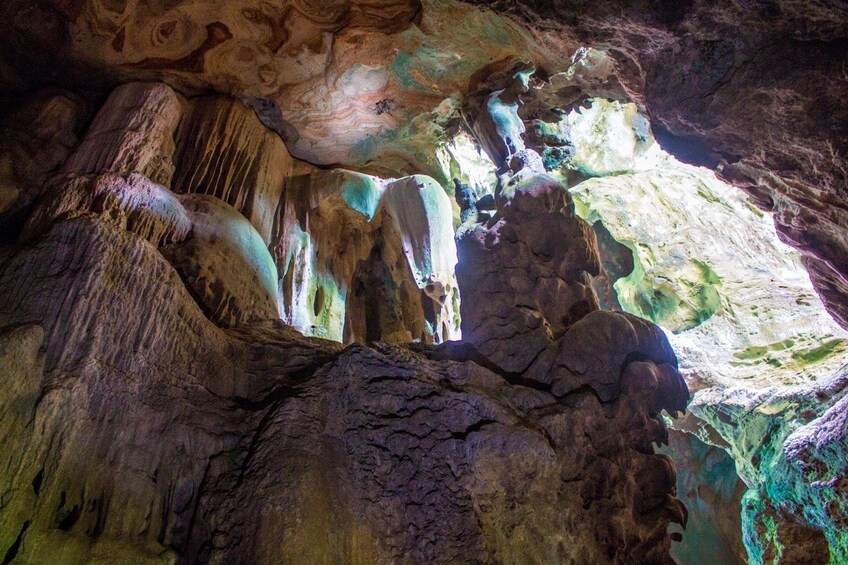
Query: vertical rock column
(367, 259)
(525, 274)
(132, 133)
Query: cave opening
(411, 280)
(687, 251)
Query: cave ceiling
(240, 162)
(754, 90)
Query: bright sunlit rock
(737, 303)
(463, 158)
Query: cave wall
(754, 90)
(153, 434)
(206, 171)
(157, 407)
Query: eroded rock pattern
(368, 259)
(156, 407)
(172, 438)
(213, 186)
(755, 91)
(526, 273)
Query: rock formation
(368, 259)
(230, 304)
(755, 91)
(156, 407)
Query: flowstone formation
(369, 259)
(231, 327)
(157, 407)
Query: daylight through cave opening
(377, 281)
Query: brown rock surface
(132, 133)
(525, 273)
(37, 137)
(149, 433)
(156, 408)
(755, 90)
(366, 259)
(226, 152)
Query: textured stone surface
(747, 326)
(789, 445)
(37, 137)
(752, 337)
(367, 259)
(525, 273)
(210, 149)
(155, 407)
(132, 133)
(755, 90)
(708, 266)
(351, 83)
(244, 445)
(708, 485)
(217, 252)
(226, 152)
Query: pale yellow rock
(22, 370)
(709, 267)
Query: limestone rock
(742, 317)
(793, 457)
(365, 259)
(36, 139)
(226, 152)
(708, 484)
(132, 133)
(321, 234)
(421, 214)
(755, 92)
(133, 202)
(498, 126)
(243, 445)
(224, 263)
(178, 420)
(221, 149)
(525, 273)
(219, 254)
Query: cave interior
(424, 281)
